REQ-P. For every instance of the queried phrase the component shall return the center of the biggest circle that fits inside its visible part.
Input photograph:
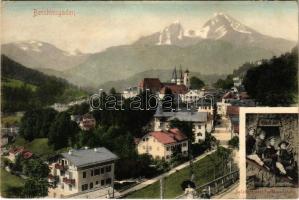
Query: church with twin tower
(181, 78)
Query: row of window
(168, 156)
(167, 148)
(179, 145)
(98, 171)
(70, 186)
(97, 183)
(167, 127)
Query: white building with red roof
(162, 144)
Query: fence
(217, 185)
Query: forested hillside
(274, 82)
(24, 88)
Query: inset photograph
(271, 155)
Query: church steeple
(180, 79)
(174, 76)
(181, 72)
(186, 79)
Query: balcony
(60, 167)
(52, 178)
(68, 181)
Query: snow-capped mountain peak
(171, 34)
(221, 27)
(222, 24)
(30, 45)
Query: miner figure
(250, 141)
(286, 160)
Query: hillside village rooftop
(184, 116)
(84, 157)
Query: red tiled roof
(232, 110)
(168, 137)
(25, 153)
(175, 89)
(178, 135)
(151, 83)
(16, 150)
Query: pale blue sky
(98, 25)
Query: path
(153, 180)
(221, 132)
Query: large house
(192, 96)
(202, 122)
(152, 84)
(78, 172)
(162, 144)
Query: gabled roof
(151, 83)
(169, 137)
(85, 157)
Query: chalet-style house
(162, 144)
(202, 122)
(80, 172)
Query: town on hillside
(91, 163)
(188, 140)
(122, 110)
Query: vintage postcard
(149, 99)
(270, 157)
